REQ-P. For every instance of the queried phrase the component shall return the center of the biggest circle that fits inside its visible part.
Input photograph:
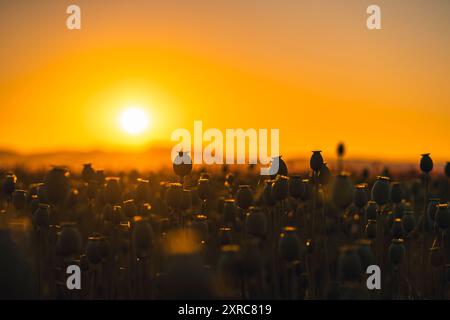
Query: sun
(134, 120)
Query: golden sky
(310, 68)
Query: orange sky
(309, 68)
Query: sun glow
(134, 121)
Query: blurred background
(310, 68)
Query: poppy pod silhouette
(229, 262)
(289, 244)
(244, 197)
(93, 253)
(409, 222)
(19, 199)
(88, 173)
(142, 235)
(343, 191)
(349, 264)
(142, 192)
(316, 161)
(174, 195)
(380, 190)
(229, 211)
(204, 189)
(256, 223)
(100, 176)
(112, 191)
(324, 174)
(186, 199)
(268, 198)
(426, 163)
(280, 188)
(447, 170)
(361, 195)
(307, 190)
(397, 229)
(365, 253)
(396, 251)
(282, 167)
(224, 236)
(69, 240)
(442, 216)
(200, 226)
(57, 185)
(371, 210)
(9, 184)
(396, 192)
(41, 217)
(129, 208)
(182, 164)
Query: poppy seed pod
(371, 229)
(142, 235)
(371, 210)
(129, 208)
(267, 193)
(182, 165)
(203, 189)
(396, 251)
(349, 264)
(426, 163)
(19, 199)
(34, 203)
(100, 176)
(295, 187)
(324, 174)
(112, 191)
(229, 211)
(307, 190)
(229, 262)
(365, 253)
(442, 216)
(289, 244)
(186, 199)
(256, 223)
(92, 189)
(142, 193)
(104, 246)
(69, 240)
(282, 167)
(41, 193)
(280, 188)
(396, 192)
(397, 228)
(360, 195)
(408, 222)
(41, 217)
(316, 161)
(9, 184)
(380, 190)
(93, 250)
(343, 191)
(340, 149)
(447, 170)
(56, 185)
(174, 195)
(244, 197)
(200, 226)
(88, 173)
(432, 208)
(224, 236)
